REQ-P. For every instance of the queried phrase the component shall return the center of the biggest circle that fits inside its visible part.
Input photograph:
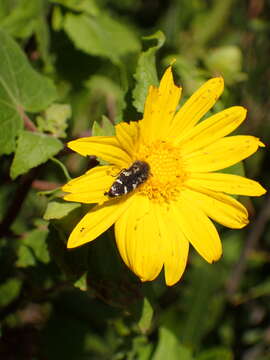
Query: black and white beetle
(129, 179)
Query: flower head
(173, 205)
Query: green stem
(62, 166)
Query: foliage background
(71, 68)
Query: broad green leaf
(169, 347)
(146, 316)
(21, 89)
(87, 6)
(9, 290)
(101, 36)
(33, 248)
(59, 209)
(32, 150)
(146, 73)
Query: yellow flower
(155, 223)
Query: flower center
(167, 174)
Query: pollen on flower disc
(167, 173)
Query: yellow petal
(122, 226)
(176, 245)
(105, 147)
(212, 129)
(90, 187)
(231, 184)
(221, 154)
(138, 239)
(197, 106)
(96, 221)
(220, 207)
(127, 135)
(198, 228)
(159, 108)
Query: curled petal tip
(261, 144)
(172, 62)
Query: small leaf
(146, 316)
(87, 6)
(57, 18)
(21, 89)
(105, 129)
(146, 73)
(226, 60)
(169, 347)
(55, 120)
(101, 36)
(59, 209)
(9, 290)
(141, 348)
(81, 283)
(33, 248)
(32, 150)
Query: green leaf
(42, 34)
(216, 353)
(141, 348)
(146, 73)
(202, 300)
(57, 18)
(226, 60)
(236, 169)
(59, 209)
(21, 89)
(101, 36)
(9, 290)
(81, 283)
(169, 347)
(33, 248)
(20, 17)
(146, 316)
(55, 119)
(217, 16)
(87, 6)
(106, 128)
(103, 89)
(73, 263)
(32, 150)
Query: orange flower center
(167, 173)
